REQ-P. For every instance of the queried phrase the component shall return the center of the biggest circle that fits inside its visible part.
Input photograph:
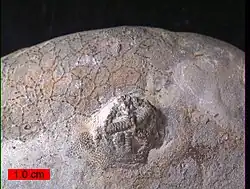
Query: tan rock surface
(181, 124)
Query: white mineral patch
(84, 60)
(98, 119)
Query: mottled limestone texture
(125, 107)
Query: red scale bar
(28, 174)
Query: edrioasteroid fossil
(123, 133)
(125, 107)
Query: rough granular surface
(125, 107)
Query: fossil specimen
(125, 107)
(127, 134)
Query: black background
(28, 22)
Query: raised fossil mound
(125, 107)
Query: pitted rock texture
(125, 107)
